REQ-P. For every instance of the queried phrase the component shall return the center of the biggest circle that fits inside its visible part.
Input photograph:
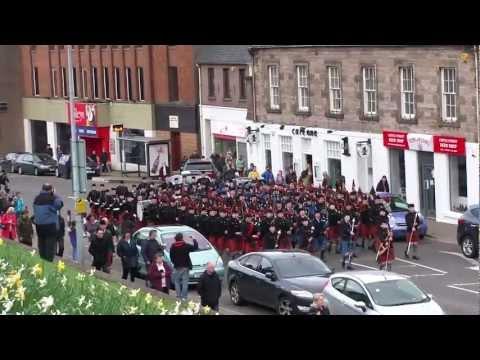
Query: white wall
(27, 131)
(473, 175)
(380, 160)
(411, 178)
(442, 186)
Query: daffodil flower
(14, 279)
(37, 270)
(33, 252)
(80, 276)
(148, 298)
(89, 305)
(131, 310)
(7, 306)
(45, 303)
(63, 281)
(134, 293)
(4, 294)
(2, 242)
(160, 304)
(42, 282)
(60, 266)
(81, 300)
(92, 272)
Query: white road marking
(424, 266)
(471, 261)
(424, 275)
(474, 268)
(365, 266)
(467, 284)
(462, 289)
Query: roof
(223, 54)
(370, 276)
(272, 254)
(173, 228)
(260, 47)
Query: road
(441, 271)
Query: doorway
(397, 172)
(427, 183)
(242, 151)
(39, 136)
(307, 162)
(176, 150)
(334, 170)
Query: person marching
(333, 227)
(234, 237)
(386, 251)
(270, 238)
(413, 222)
(250, 234)
(285, 227)
(319, 225)
(347, 243)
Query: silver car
(377, 293)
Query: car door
(246, 277)
(334, 295)
(140, 237)
(265, 290)
(354, 292)
(27, 164)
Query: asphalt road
(441, 271)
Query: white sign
(173, 121)
(363, 150)
(223, 128)
(420, 142)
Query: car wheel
(20, 172)
(35, 172)
(235, 294)
(468, 247)
(284, 306)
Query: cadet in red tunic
(234, 235)
(386, 251)
(250, 234)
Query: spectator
(127, 251)
(25, 228)
(210, 287)
(45, 207)
(280, 180)
(267, 176)
(9, 224)
(160, 274)
(49, 150)
(182, 264)
(382, 185)
(240, 165)
(72, 234)
(291, 177)
(19, 204)
(60, 235)
(253, 174)
(4, 203)
(59, 152)
(104, 161)
(4, 180)
(326, 181)
(93, 157)
(91, 225)
(319, 306)
(150, 248)
(99, 248)
(110, 235)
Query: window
(106, 83)
(117, 84)
(172, 83)
(54, 83)
(211, 82)
(226, 84)
(141, 94)
(286, 143)
(458, 183)
(274, 86)
(134, 152)
(449, 95)
(339, 284)
(302, 86)
(334, 150)
(251, 262)
(94, 83)
(169, 239)
(128, 76)
(369, 91)
(64, 82)
(407, 88)
(74, 71)
(84, 83)
(36, 90)
(396, 292)
(265, 266)
(355, 292)
(243, 84)
(300, 266)
(268, 150)
(335, 90)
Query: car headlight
(391, 221)
(302, 294)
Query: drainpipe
(476, 50)
(253, 88)
(200, 112)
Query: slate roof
(223, 54)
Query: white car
(377, 293)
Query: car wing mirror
(271, 275)
(361, 305)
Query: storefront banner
(420, 142)
(449, 145)
(83, 113)
(89, 131)
(234, 130)
(395, 139)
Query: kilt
(213, 240)
(220, 243)
(374, 230)
(414, 237)
(250, 245)
(284, 243)
(233, 244)
(364, 230)
(332, 233)
(386, 258)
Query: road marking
(474, 268)
(424, 266)
(365, 266)
(471, 261)
(467, 284)
(423, 275)
(462, 289)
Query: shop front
(230, 137)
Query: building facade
(225, 92)
(11, 123)
(411, 114)
(149, 90)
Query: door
(247, 277)
(334, 295)
(242, 150)
(265, 289)
(39, 135)
(176, 150)
(307, 162)
(427, 184)
(334, 169)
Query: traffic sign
(81, 206)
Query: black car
(467, 232)
(7, 163)
(65, 167)
(284, 280)
(35, 164)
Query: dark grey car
(467, 232)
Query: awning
(224, 137)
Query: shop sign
(449, 145)
(84, 114)
(233, 130)
(304, 132)
(173, 120)
(420, 142)
(87, 131)
(363, 150)
(395, 139)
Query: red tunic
(388, 256)
(9, 222)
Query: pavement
(442, 270)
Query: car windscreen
(300, 265)
(42, 157)
(203, 244)
(203, 166)
(398, 204)
(396, 292)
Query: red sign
(395, 139)
(83, 113)
(449, 145)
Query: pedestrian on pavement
(59, 152)
(91, 225)
(267, 176)
(319, 305)
(382, 185)
(19, 204)
(60, 235)
(45, 208)
(347, 243)
(9, 224)
(99, 248)
(280, 179)
(110, 234)
(25, 228)
(72, 235)
(210, 287)
(127, 251)
(160, 274)
(150, 248)
(413, 222)
(240, 165)
(104, 161)
(182, 264)
(253, 174)
(49, 150)
(4, 180)
(291, 177)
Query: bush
(31, 286)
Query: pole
(75, 161)
(411, 234)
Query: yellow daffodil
(60, 266)
(4, 294)
(45, 303)
(134, 293)
(33, 252)
(148, 298)
(13, 278)
(160, 304)
(42, 282)
(1, 242)
(37, 270)
(20, 294)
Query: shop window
(268, 150)
(334, 150)
(134, 152)
(287, 152)
(173, 83)
(458, 183)
(211, 82)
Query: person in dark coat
(319, 306)
(25, 228)
(210, 287)
(104, 161)
(382, 185)
(151, 248)
(127, 251)
(160, 274)
(182, 264)
(60, 236)
(270, 238)
(99, 248)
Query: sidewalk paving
(442, 232)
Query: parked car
(7, 162)
(166, 237)
(398, 210)
(377, 293)
(198, 170)
(467, 232)
(35, 164)
(284, 280)
(65, 167)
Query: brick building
(11, 124)
(225, 92)
(411, 114)
(150, 90)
